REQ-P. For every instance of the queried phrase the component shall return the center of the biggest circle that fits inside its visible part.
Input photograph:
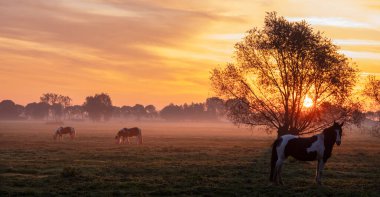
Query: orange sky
(154, 52)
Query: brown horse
(64, 130)
(125, 133)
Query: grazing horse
(125, 133)
(64, 130)
(317, 147)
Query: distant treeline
(55, 107)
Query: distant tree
(74, 112)
(172, 112)
(37, 110)
(215, 107)
(126, 111)
(138, 111)
(57, 103)
(116, 112)
(372, 89)
(98, 107)
(357, 117)
(276, 69)
(194, 111)
(9, 110)
(151, 111)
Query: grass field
(183, 159)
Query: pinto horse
(125, 133)
(317, 147)
(64, 130)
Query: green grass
(200, 160)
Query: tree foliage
(372, 89)
(276, 68)
(10, 110)
(37, 110)
(98, 107)
(57, 103)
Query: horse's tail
(274, 158)
(140, 137)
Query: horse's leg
(276, 176)
(317, 171)
(320, 167)
(280, 174)
(128, 140)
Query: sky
(155, 51)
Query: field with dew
(176, 159)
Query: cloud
(353, 42)
(333, 21)
(152, 51)
(361, 54)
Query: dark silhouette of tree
(194, 111)
(372, 89)
(215, 107)
(37, 110)
(52, 98)
(138, 111)
(98, 107)
(151, 111)
(75, 112)
(9, 110)
(116, 112)
(276, 69)
(172, 112)
(126, 111)
(57, 103)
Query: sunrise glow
(154, 52)
(307, 102)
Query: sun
(308, 102)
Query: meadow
(176, 159)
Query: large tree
(282, 74)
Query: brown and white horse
(318, 147)
(125, 133)
(64, 130)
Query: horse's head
(118, 137)
(59, 129)
(56, 132)
(338, 132)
